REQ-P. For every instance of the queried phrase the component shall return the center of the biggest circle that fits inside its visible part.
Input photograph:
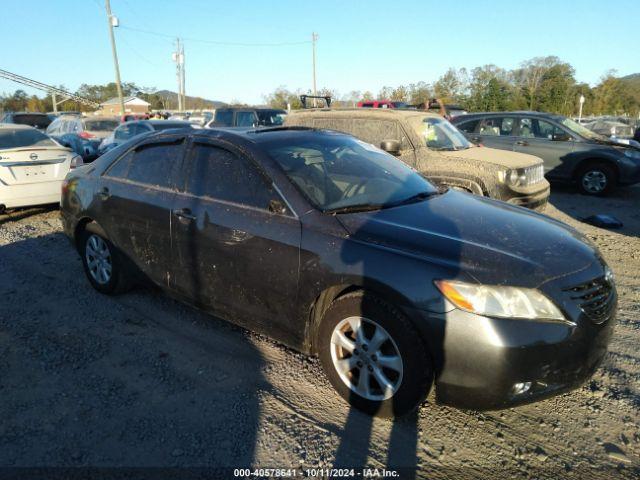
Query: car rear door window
(123, 132)
(156, 164)
(222, 175)
(224, 118)
(468, 127)
(338, 124)
(375, 131)
(497, 126)
(245, 119)
(120, 167)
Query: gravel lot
(141, 380)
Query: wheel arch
(84, 224)
(331, 293)
(592, 161)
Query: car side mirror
(391, 146)
(560, 137)
(276, 206)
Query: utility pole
(178, 57)
(314, 38)
(182, 70)
(113, 22)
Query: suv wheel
(596, 179)
(373, 355)
(102, 263)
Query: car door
(236, 242)
(136, 197)
(548, 141)
(495, 132)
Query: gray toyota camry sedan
(337, 249)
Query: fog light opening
(521, 388)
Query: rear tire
(596, 179)
(373, 355)
(103, 263)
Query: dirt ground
(141, 380)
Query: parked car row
(570, 151)
(325, 242)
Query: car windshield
(580, 129)
(24, 137)
(439, 134)
(100, 125)
(271, 118)
(339, 173)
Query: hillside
(191, 102)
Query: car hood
(503, 158)
(491, 241)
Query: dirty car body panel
(272, 261)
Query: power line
(215, 42)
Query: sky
(362, 45)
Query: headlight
(499, 301)
(76, 161)
(515, 177)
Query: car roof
(530, 113)
(16, 126)
(88, 119)
(364, 112)
(260, 135)
(28, 113)
(178, 123)
(256, 109)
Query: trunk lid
(21, 166)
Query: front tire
(102, 262)
(373, 355)
(596, 179)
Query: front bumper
(480, 360)
(532, 198)
(629, 171)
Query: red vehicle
(381, 104)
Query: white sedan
(32, 167)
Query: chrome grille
(534, 174)
(595, 298)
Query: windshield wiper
(358, 207)
(418, 197)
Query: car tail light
(76, 161)
(65, 186)
(85, 135)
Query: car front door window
(246, 119)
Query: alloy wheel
(366, 358)
(594, 181)
(98, 258)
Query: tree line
(541, 83)
(165, 100)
